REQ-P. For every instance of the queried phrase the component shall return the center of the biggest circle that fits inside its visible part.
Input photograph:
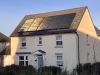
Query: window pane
(59, 57)
(58, 37)
(40, 38)
(58, 42)
(40, 42)
(26, 57)
(23, 39)
(21, 63)
(23, 44)
(21, 57)
(26, 62)
(59, 63)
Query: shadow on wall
(89, 48)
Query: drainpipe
(78, 48)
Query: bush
(64, 73)
(87, 68)
(17, 70)
(96, 68)
(50, 70)
(30, 70)
(79, 69)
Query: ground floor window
(59, 59)
(23, 60)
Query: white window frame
(24, 60)
(40, 40)
(59, 39)
(59, 60)
(22, 41)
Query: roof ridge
(2, 37)
(51, 12)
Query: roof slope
(97, 31)
(56, 20)
(3, 38)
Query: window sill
(39, 45)
(22, 47)
(59, 46)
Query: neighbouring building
(61, 38)
(4, 47)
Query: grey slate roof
(3, 38)
(54, 21)
(97, 31)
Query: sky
(13, 11)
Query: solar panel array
(51, 22)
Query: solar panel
(29, 21)
(42, 25)
(57, 22)
(35, 24)
(51, 22)
(26, 25)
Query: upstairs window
(59, 40)
(40, 41)
(23, 42)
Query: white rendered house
(61, 38)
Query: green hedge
(50, 70)
(17, 70)
(88, 69)
(30, 70)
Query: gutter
(78, 48)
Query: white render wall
(89, 42)
(69, 50)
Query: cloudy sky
(12, 11)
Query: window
(59, 60)
(59, 40)
(40, 41)
(23, 42)
(87, 40)
(23, 60)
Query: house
(60, 38)
(4, 47)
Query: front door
(40, 61)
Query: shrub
(64, 73)
(17, 70)
(50, 70)
(96, 67)
(79, 68)
(87, 68)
